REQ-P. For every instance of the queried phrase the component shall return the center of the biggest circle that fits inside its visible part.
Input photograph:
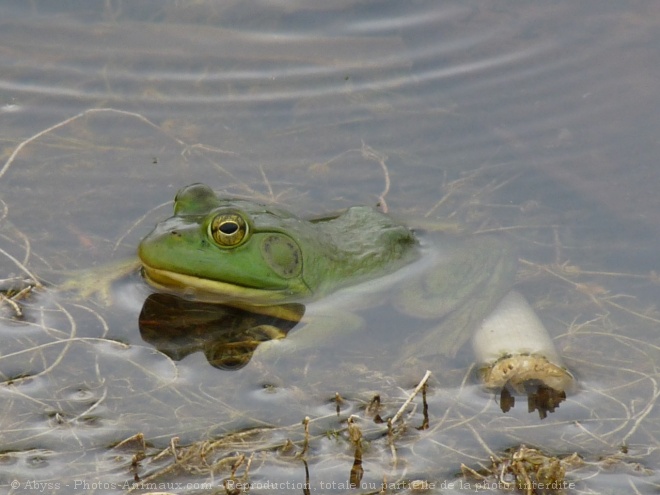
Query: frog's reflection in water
(228, 335)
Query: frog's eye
(228, 229)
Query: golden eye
(228, 229)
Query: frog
(241, 252)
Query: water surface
(536, 120)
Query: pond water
(536, 120)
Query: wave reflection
(180, 63)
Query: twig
(65, 122)
(371, 154)
(306, 441)
(419, 386)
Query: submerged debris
(234, 461)
(14, 290)
(526, 470)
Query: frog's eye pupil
(228, 229)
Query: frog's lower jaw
(210, 290)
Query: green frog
(242, 252)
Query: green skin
(283, 258)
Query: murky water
(536, 120)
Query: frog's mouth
(202, 288)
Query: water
(536, 120)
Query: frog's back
(360, 244)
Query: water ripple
(183, 64)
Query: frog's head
(232, 248)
